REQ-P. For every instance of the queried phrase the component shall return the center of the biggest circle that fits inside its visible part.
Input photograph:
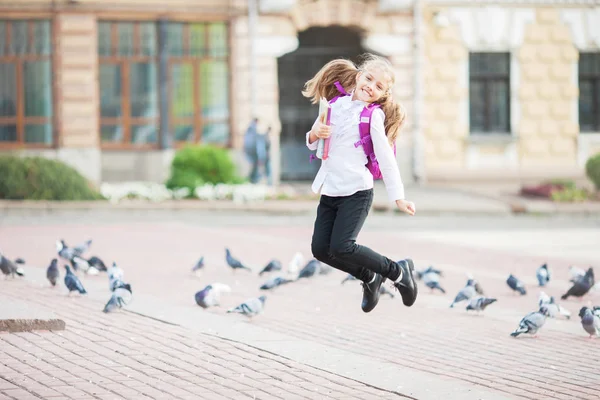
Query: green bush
(38, 178)
(193, 166)
(592, 169)
(570, 195)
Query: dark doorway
(297, 114)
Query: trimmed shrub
(38, 178)
(592, 169)
(194, 166)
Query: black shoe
(371, 293)
(407, 285)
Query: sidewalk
(125, 355)
(430, 200)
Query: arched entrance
(317, 46)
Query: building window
(489, 92)
(25, 83)
(128, 58)
(589, 92)
(199, 82)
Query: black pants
(339, 220)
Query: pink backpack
(365, 134)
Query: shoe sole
(411, 268)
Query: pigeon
(10, 268)
(432, 281)
(210, 296)
(477, 285)
(273, 265)
(52, 272)
(325, 269)
(515, 284)
(581, 286)
(295, 263)
(428, 270)
(199, 265)
(465, 293)
(64, 251)
(275, 282)
(479, 303)
(113, 304)
(554, 309)
(383, 290)
(80, 263)
(350, 277)
(233, 263)
(115, 275)
(250, 307)
(312, 268)
(97, 263)
(72, 282)
(543, 275)
(532, 322)
(82, 248)
(19, 260)
(590, 322)
(575, 273)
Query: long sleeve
(386, 158)
(312, 146)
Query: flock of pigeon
(210, 296)
(121, 293)
(582, 282)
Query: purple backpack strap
(366, 142)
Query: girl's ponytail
(395, 116)
(323, 83)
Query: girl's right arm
(318, 131)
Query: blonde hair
(345, 72)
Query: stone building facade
(494, 90)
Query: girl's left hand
(406, 206)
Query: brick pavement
(428, 337)
(128, 356)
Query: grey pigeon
(273, 265)
(590, 322)
(432, 281)
(115, 275)
(581, 286)
(199, 265)
(234, 263)
(72, 282)
(479, 303)
(121, 296)
(532, 322)
(52, 272)
(349, 277)
(10, 268)
(383, 290)
(19, 260)
(210, 296)
(428, 270)
(310, 269)
(465, 293)
(80, 263)
(250, 307)
(97, 263)
(515, 284)
(64, 251)
(575, 273)
(115, 302)
(274, 282)
(554, 309)
(324, 269)
(543, 275)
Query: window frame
(197, 120)
(124, 62)
(594, 78)
(486, 79)
(18, 60)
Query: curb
(28, 325)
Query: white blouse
(344, 172)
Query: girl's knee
(320, 251)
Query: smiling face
(371, 85)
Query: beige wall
(544, 135)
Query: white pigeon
(554, 309)
(295, 264)
(115, 274)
